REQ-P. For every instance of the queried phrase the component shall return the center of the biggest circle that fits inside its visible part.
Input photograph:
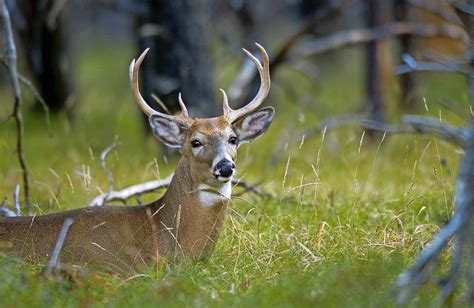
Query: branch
(416, 275)
(35, 92)
(152, 186)
(103, 163)
(433, 126)
(242, 81)
(11, 60)
(459, 226)
(421, 125)
(412, 65)
(364, 35)
(54, 260)
(131, 191)
(4, 212)
(16, 200)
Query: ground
(350, 212)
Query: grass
(350, 213)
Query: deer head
(210, 144)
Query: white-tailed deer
(185, 222)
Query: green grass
(350, 212)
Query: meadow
(349, 212)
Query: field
(350, 211)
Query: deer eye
(196, 143)
(232, 140)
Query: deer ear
(167, 131)
(254, 125)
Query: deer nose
(224, 168)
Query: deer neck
(195, 211)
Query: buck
(185, 222)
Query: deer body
(185, 223)
(122, 235)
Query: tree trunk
(378, 60)
(47, 53)
(179, 59)
(408, 84)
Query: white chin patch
(224, 179)
(210, 197)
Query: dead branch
(4, 212)
(412, 65)
(364, 35)
(131, 191)
(420, 125)
(152, 186)
(16, 200)
(53, 262)
(458, 226)
(11, 60)
(103, 163)
(242, 81)
(35, 92)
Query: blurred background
(350, 207)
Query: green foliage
(350, 213)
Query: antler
(264, 72)
(183, 118)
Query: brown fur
(119, 237)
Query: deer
(185, 223)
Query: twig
(103, 163)
(11, 60)
(151, 186)
(35, 92)
(364, 35)
(16, 200)
(53, 262)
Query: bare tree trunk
(408, 84)
(47, 51)
(179, 59)
(377, 60)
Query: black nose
(224, 168)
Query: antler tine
(184, 110)
(225, 104)
(133, 71)
(264, 72)
(183, 118)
